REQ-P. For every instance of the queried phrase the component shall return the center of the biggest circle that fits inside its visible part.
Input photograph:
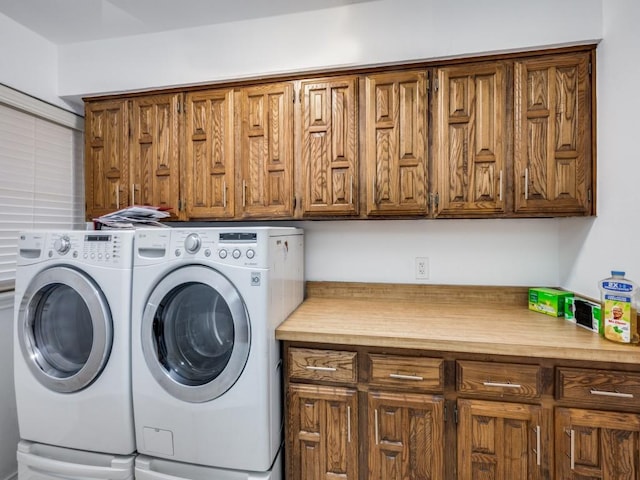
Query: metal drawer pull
(505, 385)
(321, 369)
(538, 455)
(572, 437)
(375, 414)
(406, 377)
(348, 424)
(611, 394)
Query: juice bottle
(620, 308)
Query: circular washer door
(65, 329)
(195, 334)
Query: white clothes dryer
(205, 361)
(72, 357)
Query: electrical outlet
(422, 268)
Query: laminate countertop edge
(466, 325)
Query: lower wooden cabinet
(405, 436)
(597, 444)
(322, 431)
(367, 413)
(500, 440)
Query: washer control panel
(87, 247)
(231, 247)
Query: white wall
(460, 252)
(29, 63)
(592, 249)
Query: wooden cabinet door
(502, 441)
(330, 146)
(106, 157)
(593, 444)
(396, 143)
(553, 135)
(470, 140)
(209, 172)
(406, 439)
(155, 149)
(322, 433)
(266, 151)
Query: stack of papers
(132, 217)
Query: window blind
(41, 173)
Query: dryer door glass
(195, 334)
(64, 329)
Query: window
(41, 173)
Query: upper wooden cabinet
(209, 161)
(155, 152)
(132, 153)
(330, 146)
(552, 145)
(470, 140)
(106, 157)
(266, 151)
(509, 136)
(396, 143)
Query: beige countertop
(486, 320)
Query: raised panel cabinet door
(209, 173)
(469, 140)
(502, 441)
(330, 146)
(266, 151)
(595, 444)
(406, 439)
(106, 157)
(396, 143)
(155, 152)
(322, 433)
(552, 124)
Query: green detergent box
(549, 301)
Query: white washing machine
(206, 363)
(72, 357)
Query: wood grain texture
(477, 324)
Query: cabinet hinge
(589, 68)
(589, 195)
(428, 85)
(436, 85)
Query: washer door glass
(64, 329)
(195, 334)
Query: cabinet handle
(349, 424)
(133, 194)
(351, 192)
(611, 394)
(538, 454)
(244, 193)
(118, 195)
(321, 369)
(373, 192)
(224, 194)
(375, 424)
(503, 385)
(406, 377)
(572, 457)
(526, 184)
(500, 186)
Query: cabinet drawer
(326, 365)
(602, 387)
(416, 372)
(499, 379)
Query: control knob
(192, 243)
(62, 244)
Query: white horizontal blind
(41, 178)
